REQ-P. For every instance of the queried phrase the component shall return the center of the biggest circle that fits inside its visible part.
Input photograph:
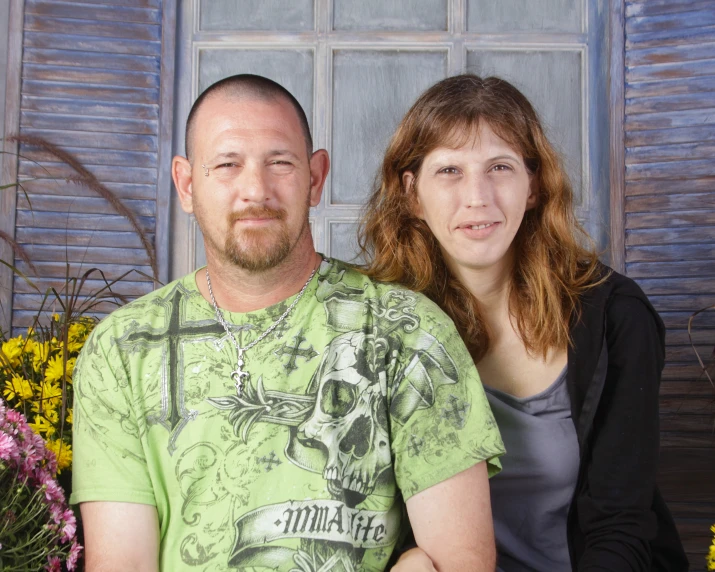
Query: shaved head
(246, 86)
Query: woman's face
(474, 198)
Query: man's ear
(408, 185)
(319, 167)
(181, 173)
(533, 199)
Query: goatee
(257, 249)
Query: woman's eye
(502, 167)
(448, 170)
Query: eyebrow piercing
(205, 168)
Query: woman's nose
(478, 191)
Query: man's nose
(252, 184)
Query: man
(273, 410)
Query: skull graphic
(350, 416)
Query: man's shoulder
(351, 276)
(149, 307)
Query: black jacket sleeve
(615, 498)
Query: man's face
(253, 206)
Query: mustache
(257, 212)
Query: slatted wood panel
(91, 84)
(670, 232)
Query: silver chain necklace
(239, 374)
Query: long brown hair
(551, 268)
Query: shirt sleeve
(615, 507)
(109, 463)
(441, 422)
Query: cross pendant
(238, 374)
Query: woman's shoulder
(614, 298)
(611, 287)
(617, 299)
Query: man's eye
(226, 165)
(280, 162)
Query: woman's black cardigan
(618, 520)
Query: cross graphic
(415, 445)
(269, 461)
(455, 411)
(174, 415)
(295, 351)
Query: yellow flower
(52, 415)
(69, 417)
(56, 317)
(55, 369)
(40, 406)
(710, 558)
(74, 347)
(42, 426)
(13, 349)
(50, 394)
(77, 334)
(40, 353)
(18, 387)
(63, 452)
(76, 330)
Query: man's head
(246, 85)
(250, 178)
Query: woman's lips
(478, 229)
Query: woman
(474, 209)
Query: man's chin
(258, 257)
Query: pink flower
(73, 556)
(69, 525)
(53, 491)
(53, 564)
(31, 466)
(14, 417)
(56, 510)
(8, 448)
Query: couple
(278, 410)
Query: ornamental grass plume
(37, 529)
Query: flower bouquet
(36, 379)
(37, 529)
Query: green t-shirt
(364, 395)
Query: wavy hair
(551, 268)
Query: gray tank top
(532, 494)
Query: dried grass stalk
(87, 179)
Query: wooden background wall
(670, 232)
(92, 84)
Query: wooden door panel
(292, 67)
(242, 15)
(393, 16)
(489, 17)
(360, 128)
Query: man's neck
(238, 290)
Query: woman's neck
(491, 287)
